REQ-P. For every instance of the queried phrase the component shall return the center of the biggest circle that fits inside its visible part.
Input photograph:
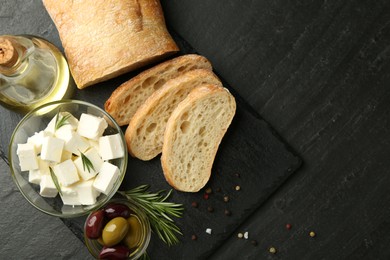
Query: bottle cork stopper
(8, 53)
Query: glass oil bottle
(32, 72)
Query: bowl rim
(91, 207)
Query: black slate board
(250, 148)
(251, 156)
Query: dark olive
(114, 210)
(94, 225)
(114, 253)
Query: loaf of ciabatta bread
(105, 38)
(145, 133)
(193, 134)
(128, 97)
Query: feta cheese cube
(27, 157)
(86, 193)
(35, 176)
(66, 173)
(110, 147)
(71, 120)
(37, 140)
(48, 188)
(91, 127)
(108, 175)
(85, 172)
(69, 196)
(51, 126)
(66, 155)
(74, 143)
(64, 132)
(52, 149)
(94, 144)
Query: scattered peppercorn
(240, 235)
(219, 189)
(237, 175)
(210, 209)
(312, 234)
(227, 212)
(254, 242)
(238, 188)
(194, 237)
(194, 204)
(226, 198)
(209, 190)
(288, 226)
(272, 250)
(206, 196)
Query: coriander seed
(272, 250)
(312, 234)
(240, 235)
(226, 198)
(238, 188)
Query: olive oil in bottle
(32, 72)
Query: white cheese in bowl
(91, 126)
(78, 155)
(110, 147)
(27, 157)
(52, 149)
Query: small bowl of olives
(119, 230)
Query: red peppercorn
(288, 226)
(194, 204)
(206, 196)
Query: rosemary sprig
(55, 180)
(61, 122)
(86, 163)
(158, 211)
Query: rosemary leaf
(61, 122)
(86, 163)
(55, 180)
(159, 212)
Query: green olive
(133, 236)
(114, 231)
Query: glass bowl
(94, 247)
(37, 120)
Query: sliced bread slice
(145, 133)
(193, 134)
(128, 97)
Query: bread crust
(145, 134)
(129, 96)
(105, 38)
(170, 160)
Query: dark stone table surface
(318, 72)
